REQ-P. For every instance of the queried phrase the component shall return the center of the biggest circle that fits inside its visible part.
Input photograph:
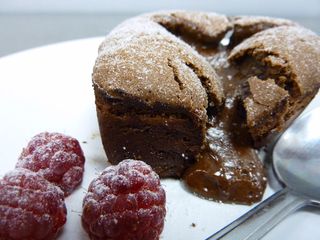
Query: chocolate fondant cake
(192, 93)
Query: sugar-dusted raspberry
(31, 208)
(57, 157)
(125, 202)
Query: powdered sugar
(56, 157)
(128, 200)
(134, 58)
(295, 49)
(261, 20)
(30, 206)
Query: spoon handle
(262, 218)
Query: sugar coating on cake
(142, 57)
(205, 27)
(246, 26)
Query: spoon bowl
(296, 156)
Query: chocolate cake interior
(146, 133)
(228, 169)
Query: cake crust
(245, 26)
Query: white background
(293, 8)
(26, 24)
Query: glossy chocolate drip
(228, 169)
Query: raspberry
(31, 208)
(125, 202)
(56, 157)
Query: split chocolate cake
(195, 94)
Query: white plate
(49, 89)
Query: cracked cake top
(155, 58)
(142, 59)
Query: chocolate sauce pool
(228, 169)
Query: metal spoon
(296, 161)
